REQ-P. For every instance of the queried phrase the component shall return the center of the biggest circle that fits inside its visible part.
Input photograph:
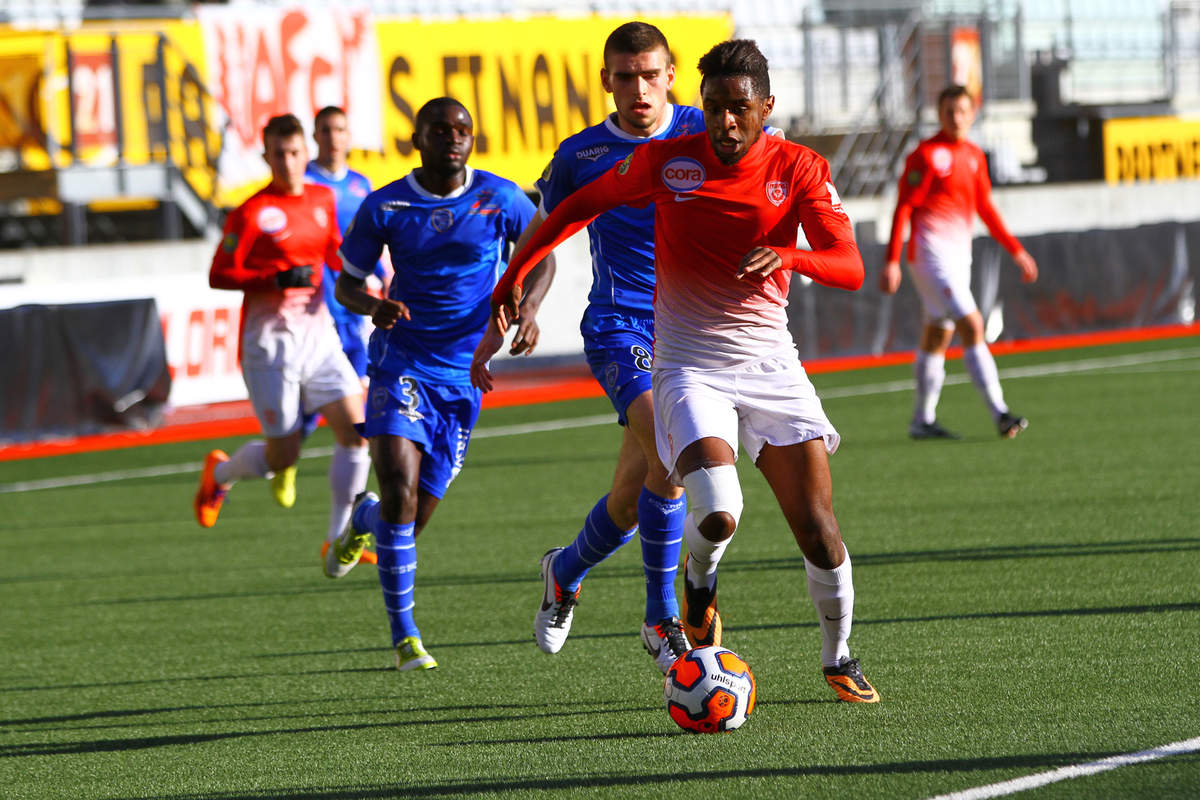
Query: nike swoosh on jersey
(683, 198)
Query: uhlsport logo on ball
(709, 690)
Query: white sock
(248, 461)
(982, 369)
(929, 369)
(348, 470)
(703, 555)
(832, 592)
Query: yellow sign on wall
(1151, 149)
(528, 84)
(173, 91)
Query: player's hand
(489, 345)
(295, 278)
(759, 263)
(509, 310)
(889, 278)
(1029, 268)
(387, 312)
(526, 337)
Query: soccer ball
(709, 689)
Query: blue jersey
(448, 254)
(349, 190)
(622, 240)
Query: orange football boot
(848, 682)
(701, 620)
(211, 494)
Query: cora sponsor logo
(683, 174)
(271, 219)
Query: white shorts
(944, 285)
(282, 390)
(764, 402)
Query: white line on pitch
(1072, 771)
(311, 452)
(1037, 371)
(1042, 370)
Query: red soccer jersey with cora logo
(708, 216)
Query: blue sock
(396, 548)
(660, 522)
(598, 540)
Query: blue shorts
(619, 348)
(350, 332)
(438, 418)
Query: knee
(819, 536)
(397, 500)
(714, 501)
(718, 526)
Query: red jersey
(269, 233)
(945, 183)
(708, 216)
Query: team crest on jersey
(271, 219)
(623, 167)
(777, 192)
(835, 199)
(441, 219)
(683, 174)
(942, 161)
(321, 216)
(546, 171)
(229, 243)
(592, 154)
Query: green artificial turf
(1021, 606)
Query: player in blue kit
(447, 228)
(618, 332)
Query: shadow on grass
(417, 719)
(686, 775)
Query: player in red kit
(945, 183)
(292, 361)
(727, 207)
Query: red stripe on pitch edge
(552, 390)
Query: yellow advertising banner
(195, 93)
(1151, 149)
(527, 83)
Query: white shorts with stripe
(289, 375)
(771, 401)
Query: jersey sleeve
(988, 213)
(834, 259)
(556, 183)
(914, 188)
(229, 269)
(363, 243)
(626, 183)
(520, 213)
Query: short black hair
(953, 92)
(734, 59)
(284, 125)
(327, 111)
(436, 103)
(635, 37)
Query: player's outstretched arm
(571, 216)
(352, 293)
